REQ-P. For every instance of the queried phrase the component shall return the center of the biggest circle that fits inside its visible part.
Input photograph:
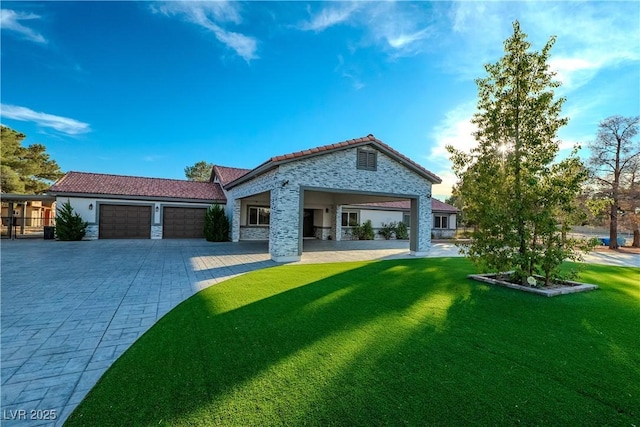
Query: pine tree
(216, 224)
(69, 225)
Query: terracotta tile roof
(349, 143)
(401, 204)
(369, 139)
(436, 205)
(226, 174)
(120, 185)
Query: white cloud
(401, 40)
(329, 16)
(591, 36)
(210, 15)
(9, 20)
(399, 28)
(349, 73)
(443, 190)
(61, 124)
(456, 130)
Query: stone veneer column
(338, 222)
(284, 232)
(420, 235)
(235, 220)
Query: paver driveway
(70, 309)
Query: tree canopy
(25, 170)
(200, 171)
(511, 189)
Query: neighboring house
(285, 199)
(444, 217)
(26, 212)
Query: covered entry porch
(322, 215)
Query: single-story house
(444, 223)
(306, 194)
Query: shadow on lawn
(392, 342)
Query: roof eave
(131, 197)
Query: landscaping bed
(554, 289)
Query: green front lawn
(391, 342)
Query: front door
(307, 224)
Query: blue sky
(147, 88)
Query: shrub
(216, 224)
(388, 230)
(69, 225)
(401, 231)
(362, 232)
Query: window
(349, 219)
(258, 216)
(440, 222)
(406, 218)
(367, 160)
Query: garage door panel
(183, 223)
(125, 222)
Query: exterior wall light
(90, 206)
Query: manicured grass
(392, 342)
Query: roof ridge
(339, 144)
(129, 176)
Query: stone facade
(92, 232)
(254, 233)
(156, 231)
(335, 172)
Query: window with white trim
(349, 219)
(440, 221)
(367, 160)
(258, 215)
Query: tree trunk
(636, 237)
(613, 227)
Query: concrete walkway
(70, 309)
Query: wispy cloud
(349, 74)
(153, 157)
(591, 36)
(10, 20)
(211, 15)
(399, 28)
(61, 124)
(329, 16)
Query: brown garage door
(125, 222)
(183, 223)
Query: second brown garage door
(125, 222)
(183, 223)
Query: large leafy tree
(25, 170)
(512, 190)
(200, 171)
(614, 163)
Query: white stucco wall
(378, 217)
(80, 205)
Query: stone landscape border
(569, 287)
